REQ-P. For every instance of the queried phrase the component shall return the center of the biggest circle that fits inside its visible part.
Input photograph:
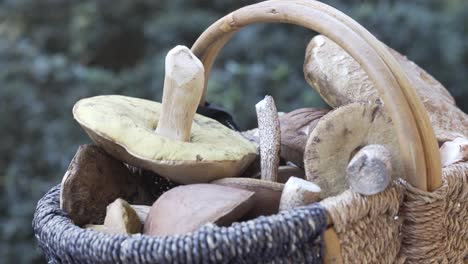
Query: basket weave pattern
(288, 237)
(436, 225)
(368, 227)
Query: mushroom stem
(284, 173)
(270, 137)
(298, 192)
(183, 88)
(369, 171)
(454, 151)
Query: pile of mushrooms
(354, 146)
(162, 169)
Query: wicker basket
(421, 220)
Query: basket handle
(419, 148)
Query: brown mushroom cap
(94, 179)
(295, 129)
(124, 127)
(186, 208)
(338, 136)
(267, 194)
(340, 80)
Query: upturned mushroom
(121, 218)
(169, 139)
(94, 179)
(339, 135)
(186, 208)
(340, 80)
(295, 129)
(454, 151)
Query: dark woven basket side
(293, 237)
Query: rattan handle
(419, 148)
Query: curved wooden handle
(419, 148)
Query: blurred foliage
(54, 52)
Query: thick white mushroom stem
(369, 171)
(454, 151)
(298, 192)
(270, 138)
(183, 88)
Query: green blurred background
(54, 52)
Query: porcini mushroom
(298, 192)
(168, 139)
(455, 151)
(94, 179)
(186, 208)
(339, 135)
(369, 171)
(341, 80)
(121, 218)
(295, 129)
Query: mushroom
(270, 138)
(267, 190)
(94, 179)
(295, 129)
(186, 208)
(168, 139)
(120, 219)
(340, 80)
(267, 194)
(298, 192)
(455, 151)
(369, 171)
(339, 135)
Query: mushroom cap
(267, 194)
(186, 208)
(95, 179)
(125, 128)
(339, 135)
(295, 129)
(341, 80)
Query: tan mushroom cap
(341, 80)
(338, 136)
(186, 208)
(124, 127)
